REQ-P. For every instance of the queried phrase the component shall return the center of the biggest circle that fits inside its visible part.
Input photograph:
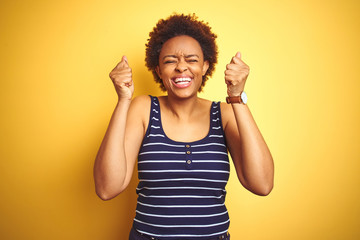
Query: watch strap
(236, 99)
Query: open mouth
(182, 82)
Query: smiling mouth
(182, 80)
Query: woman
(180, 140)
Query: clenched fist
(236, 74)
(121, 77)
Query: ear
(205, 67)
(157, 70)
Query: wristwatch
(238, 99)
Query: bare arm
(252, 158)
(117, 155)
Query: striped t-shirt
(181, 191)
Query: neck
(181, 108)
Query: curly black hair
(177, 25)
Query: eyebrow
(186, 56)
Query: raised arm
(114, 163)
(251, 156)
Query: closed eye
(169, 61)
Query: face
(181, 66)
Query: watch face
(244, 97)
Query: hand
(236, 74)
(121, 77)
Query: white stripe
(215, 120)
(155, 118)
(165, 144)
(162, 161)
(155, 103)
(181, 206)
(155, 135)
(164, 171)
(209, 152)
(158, 188)
(208, 144)
(216, 127)
(170, 226)
(219, 136)
(215, 106)
(152, 126)
(154, 152)
(155, 110)
(184, 216)
(179, 196)
(181, 179)
(210, 161)
(182, 161)
(215, 112)
(183, 235)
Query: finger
(237, 71)
(237, 66)
(118, 74)
(121, 71)
(123, 81)
(229, 82)
(128, 83)
(123, 76)
(240, 66)
(233, 66)
(231, 73)
(238, 55)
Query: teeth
(178, 80)
(181, 83)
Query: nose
(181, 66)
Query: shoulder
(204, 106)
(140, 100)
(227, 113)
(140, 109)
(226, 109)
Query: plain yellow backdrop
(56, 100)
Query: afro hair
(177, 25)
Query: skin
(185, 118)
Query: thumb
(236, 58)
(123, 63)
(125, 60)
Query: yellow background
(56, 100)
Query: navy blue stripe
(181, 192)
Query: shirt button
(188, 152)
(187, 146)
(188, 162)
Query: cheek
(166, 71)
(166, 80)
(198, 70)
